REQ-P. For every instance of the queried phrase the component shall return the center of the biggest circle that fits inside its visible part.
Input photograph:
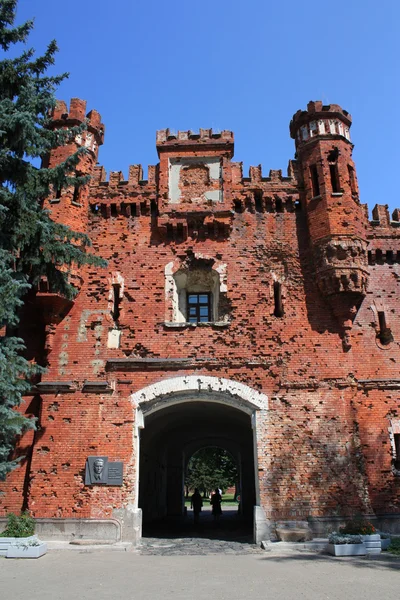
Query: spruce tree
(32, 246)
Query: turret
(330, 197)
(70, 205)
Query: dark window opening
(116, 301)
(238, 206)
(385, 335)
(389, 257)
(278, 310)
(199, 307)
(352, 179)
(278, 205)
(334, 178)
(153, 208)
(397, 450)
(170, 232)
(114, 212)
(258, 199)
(333, 170)
(379, 256)
(314, 180)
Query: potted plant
(18, 539)
(370, 537)
(385, 540)
(345, 544)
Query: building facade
(259, 314)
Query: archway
(178, 416)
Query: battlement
(320, 120)
(62, 117)
(381, 217)
(116, 178)
(166, 139)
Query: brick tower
(336, 220)
(70, 205)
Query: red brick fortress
(259, 314)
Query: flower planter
(347, 549)
(28, 547)
(372, 543)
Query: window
(333, 170)
(278, 305)
(384, 334)
(352, 180)
(314, 180)
(199, 308)
(196, 291)
(116, 301)
(396, 437)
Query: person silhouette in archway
(215, 502)
(196, 503)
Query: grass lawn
(227, 500)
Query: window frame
(198, 305)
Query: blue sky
(245, 66)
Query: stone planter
(28, 547)
(385, 543)
(347, 549)
(372, 543)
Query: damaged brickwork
(302, 292)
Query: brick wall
(324, 444)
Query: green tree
(211, 468)
(31, 244)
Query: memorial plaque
(115, 473)
(96, 471)
(99, 471)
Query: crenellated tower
(70, 205)
(330, 197)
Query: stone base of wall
(321, 526)
(125, 527)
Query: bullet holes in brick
(278, 303)
(314, 181)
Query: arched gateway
(174, 418)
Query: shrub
(19, 526)
(394, 547)
(339, 538)
(358, 527)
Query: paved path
(105, 575)
(192, 546)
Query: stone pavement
(192, 546)
(290, 575)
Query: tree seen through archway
(211, 468)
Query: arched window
(196, 291)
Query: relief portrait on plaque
(96, 471)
